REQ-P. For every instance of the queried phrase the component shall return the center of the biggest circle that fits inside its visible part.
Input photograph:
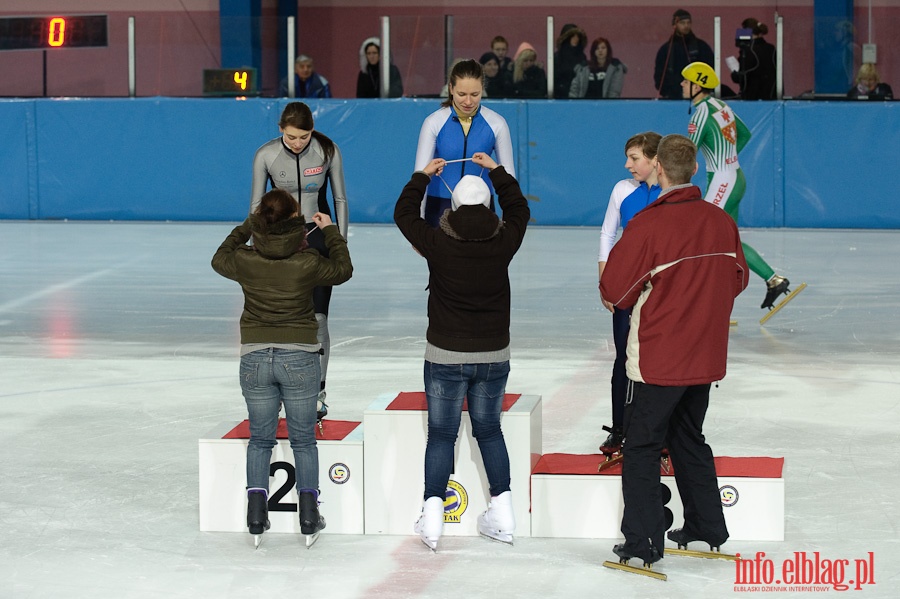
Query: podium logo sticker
(339, 473)
(456, 500)
(729, 495)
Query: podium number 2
(275, 504)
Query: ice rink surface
(120, 350)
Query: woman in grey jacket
(602, 77)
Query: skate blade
(610, 462)
(430, 543)
(644, 571)
(501, 537)
(703, 554)
(781, 305)
(257, 539)
(311, 539)
(732, 323)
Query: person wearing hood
(279, 344)
(682, 48)
(602, 77)
(569, 55)
(368, 82)
(467, 351)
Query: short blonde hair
(868, 71)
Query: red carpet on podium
(333, 430)
(416, 401)
(587, 464)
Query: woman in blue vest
(455, 132)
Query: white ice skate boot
(430, 524)
(498, 522)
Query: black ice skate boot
(775, 287)
(311, 522)
(682, 537)
(257, 513)
(614, 441)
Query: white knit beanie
(471, 191)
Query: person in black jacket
(682, 48)
(869, 85)
(368, 82)
(467, 354)
(755, 72)
(569, 55)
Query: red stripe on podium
(332, 430)
(587, 464)
(416, 401)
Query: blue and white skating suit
(305, 176)
(628, 198)
(442, 136)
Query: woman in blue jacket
(455, 132)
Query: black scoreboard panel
(43, 33)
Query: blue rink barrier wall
(809, 164)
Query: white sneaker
(430, 524)
(498, 522)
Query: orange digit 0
(57, 33)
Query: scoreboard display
(229, 82)
(42, 33)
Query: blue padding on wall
(838, 161)
(190, 159)
(17, 159)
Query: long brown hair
(298, 114)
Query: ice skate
(612, 447)
(646, 570)
(430, 524)
(682, 537)
(321, 411)
(311, 522)
(257, 514)
(776, 286)
(498, 522)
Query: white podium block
(223, 480)
(395, 436)
(569, 498)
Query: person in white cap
(467, 354)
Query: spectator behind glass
(529, 79)
(500, 47)
(754, 69)
(682, 49)
(307, 83)
(498, 82)
(368, 82)
(602, 77)
(869, 85)
(569, 55)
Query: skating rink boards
(120, 351)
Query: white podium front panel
(223, 481)
(591, 505)
(395, 468)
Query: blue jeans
(446, 385)
(269, 378)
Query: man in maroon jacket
(680, 265)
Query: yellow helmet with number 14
(701, 74)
